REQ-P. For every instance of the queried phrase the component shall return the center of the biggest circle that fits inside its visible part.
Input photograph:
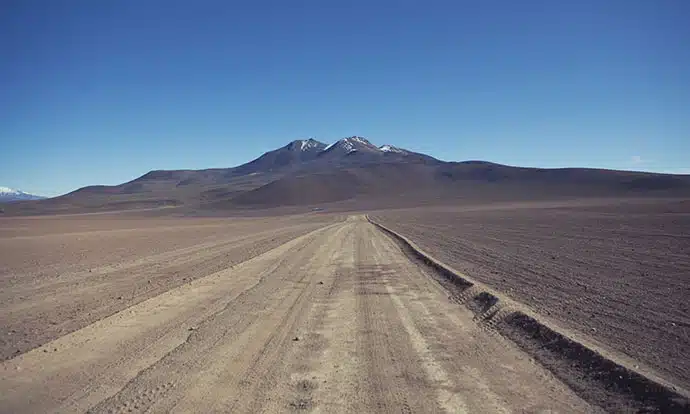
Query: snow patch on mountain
(350, 143)
(10, 194)
(307, 144)
(7, 190)
(359, 139)
(390, 148)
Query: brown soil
(617, 272)
(59, 274)
(335, 320)
(602, 379)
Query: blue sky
(100, 92)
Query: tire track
(78, 370)
(450, 400)
(392, 374)
(308, 367)
(270, 367)
(71, 299)
(230, 361)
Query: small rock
(192, 328)
(119, 297)
(320, 283)
(295, 338)
(673, 324)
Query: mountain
(9, 194)
(352, 170)
(301, 155)
(376, 180)
(293, 154)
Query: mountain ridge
(305, 172)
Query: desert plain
(325, 312)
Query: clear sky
(100, 92)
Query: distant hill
(9, 194)
(309, 172)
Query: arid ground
(326, 312)
(272, 315)
(615, 271)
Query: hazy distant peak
(11, 194)
(7, 190)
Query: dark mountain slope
(372, 181)
(457, 181)
(613, 180)
(307, 172)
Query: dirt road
(337, 320)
